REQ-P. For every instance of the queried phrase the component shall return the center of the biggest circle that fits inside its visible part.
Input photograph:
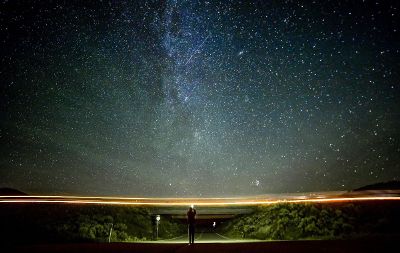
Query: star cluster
(198, 98)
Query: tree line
(288, 221)
(43, 223)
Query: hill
(391, 185)
(11, 192)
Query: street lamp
(109, 235)
(158, 218)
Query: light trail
(243, 201)
(197, 50)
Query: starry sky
(198, 98)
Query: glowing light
(188, 201)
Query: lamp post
(109, 235)
(158, 218)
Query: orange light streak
(182, 201)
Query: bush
(292, 222)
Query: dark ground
(386, 244)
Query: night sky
(198, 98)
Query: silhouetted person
(191, 217)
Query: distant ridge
(11, 192)
(391, 185)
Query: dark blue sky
(198, 98)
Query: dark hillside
(11, 192)
(391, 185)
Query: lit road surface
(205, 237)
(321, 197)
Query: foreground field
(387, 244)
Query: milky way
(198, 98)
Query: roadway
(205, 237)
